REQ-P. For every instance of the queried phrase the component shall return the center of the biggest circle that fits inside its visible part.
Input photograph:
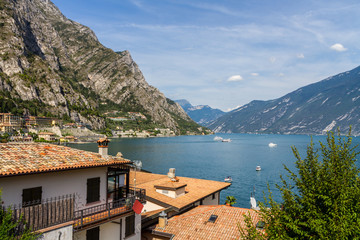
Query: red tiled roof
(196, 189)
(194, 224)
(26, 158)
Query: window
(129, 225)
(93, 234)
(213, 196)
(93, 190)
(31, 196)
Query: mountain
(202, 114)
(313, 109)
(53, 66)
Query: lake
(203, 157)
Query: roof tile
(24, 158)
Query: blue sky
(227, 53)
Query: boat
(272, 145)
(226, 140)
(228, 179)
(258, 168)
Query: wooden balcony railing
(53, 211)
(42, 214)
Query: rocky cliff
(53, 66)
(314, 109)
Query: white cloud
(254, 74)
(272, 59)
(281, 74)
(300, 55)
(235, 78)
(338, 47)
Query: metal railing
(140, 193)
(92, 215)
(42, 214)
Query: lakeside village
(65, 193)
(47, 129)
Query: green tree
(230, 200)
(321, 200)
(8, 227)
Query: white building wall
(64, 233)
(55, 184)
(150, 206)
(111, 230)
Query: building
(41, 121)
(204, 222)
(173, 194)
(48, 136)
(67, 193)
(10, 122)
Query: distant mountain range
(201, 114)
(314, 109)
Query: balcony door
(115, 183)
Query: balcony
(96, 215)
(54, 211)
(45, 213)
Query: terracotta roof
(196, 189)
(194, 224)
(102, 140)
(26, 158)
(170, 185)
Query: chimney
(162, 220)
(171, 173)
(103, 146)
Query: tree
(10, 229)
(230, 200)
(321, 199)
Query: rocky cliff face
(314, 109)
(59, 66)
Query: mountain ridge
(201, 114)
(313, 109)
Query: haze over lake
(202, 157)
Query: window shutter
(93, 234)
(129, 225)
(93, 190)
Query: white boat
(258, 168)
(228, 179)
(226, 140)
(272, 145)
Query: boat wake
(218, 138)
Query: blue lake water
(202, 157)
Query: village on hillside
(48, 129)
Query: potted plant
(230, 200)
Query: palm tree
(230, 200)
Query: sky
(227, 53)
